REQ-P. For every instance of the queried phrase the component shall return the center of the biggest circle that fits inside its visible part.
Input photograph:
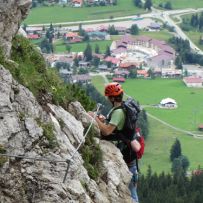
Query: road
(127, 22)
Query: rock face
(12, 13)
(22, 133)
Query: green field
(161, 138)
(193, 34)
(161, 35)
(176, 4)
(57, 14)
(195, 37)
(60, 47)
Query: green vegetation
(168, 188)
(92, 155)
(2, 158)
(187, 116)
(161, 35)
(59, 46)
(69, 14)
(177, 4)
(192, 24)
(44, 83)
(195, 37)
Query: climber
(111, 128)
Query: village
(129, 56)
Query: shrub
(2, 158)
(92, 155)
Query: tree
(46, 46)
(112, 30)
(133, 73)
(138, 3)
(134, 30)
(88, 53)
(168, 5)
(82, 71)
(148, 4)
(108, 51)
(97, 50)
(68, 47)
(96, 61)
(178, 62)
(185, 163)
(201, 22)
(175, 150)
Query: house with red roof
(193, 81)
(120, 79)
(128, 65)
(121, 73)
(200, 127)
(33, 36)
(142, 74)
(77, 3)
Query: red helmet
(113, 89)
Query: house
(77, 3)
(114, 61)
(193, 81)
(84, 78)
(142, 74)
(71, 35)
(121, 30)
(65, 74)
(168, 103)
(193, 70)
(121, 73)
(128, 65)
(171, 73)
(84, 64)
(33, 36)
(154, 26)
(31, 30)
(120, 79)
(200, 127)
(97, 35)
(103, 67)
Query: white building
(168, 103)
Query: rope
(69, 160)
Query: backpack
(140, 139)
(130, 131)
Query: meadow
(188, 114)
(60, 47)
(68, 14)
(181, 4)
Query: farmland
(180, 4)
(80, 47)
(68, 14)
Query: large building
(144, 49)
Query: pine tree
(134, 30)
(88, 53)
(108, 51)
(148, 4)
(97, 50)
(175, 150)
